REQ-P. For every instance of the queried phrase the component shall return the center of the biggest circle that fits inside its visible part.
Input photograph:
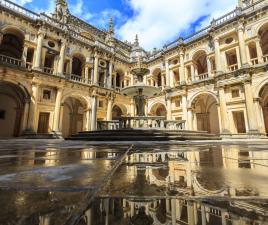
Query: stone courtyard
(49, 182)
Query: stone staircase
(143, 135)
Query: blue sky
(157, 22)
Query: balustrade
(10, 60)
(265, 58)
(151, 122)
(254, 61)
(233, 67)
(202, 76)
(48, 70)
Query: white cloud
(159, 21)
(22, 2)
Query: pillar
(38, 55)
(88, 215)
(217, 55)
(96, 71)
(242, 46)
(25, 114)
(132, 107)
(94, 101)
(109, 108)
(1, 37)
(192, 72)
(88, 117)
(223, 110)
(173, 211)
(169, 112)
(61, 59)
(189, 119)
(87, 74)
(106, 207)
(24, 55)
(209, 67)
(32, 119)
(167, 74)
(56, 121)
(223, 216)
(203, 215)
(163, 81)
(184, 109)
(251, 114)
(259, 51)
(182, 68)
(190, 213)
(109, 83)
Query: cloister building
(60, 75)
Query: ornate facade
(60, 75)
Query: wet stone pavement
(62, 182)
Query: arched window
(12, 46)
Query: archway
(12, 104)
(158, 77)
(12, 44)
(158, 110)
(263, 34)
(264, 104)
(78, 62)
(200, 63)
(73, 116)
(116, 112)
(206, 113)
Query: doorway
(239, 121)
(43, 123)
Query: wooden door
(203, 122)
(239, 121)
(43, 123)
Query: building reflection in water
(120, 211)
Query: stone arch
(157, 77)
(205, 110)
(200, 61)
(12, 43)
(263, 96)
(78, 64)
(13, 114)
(190, 102)
(74, 114)
(263, 34)
(118, 80)
(158, 109)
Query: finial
(137, 40)
(61, 2)
(111, 26)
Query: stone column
(242, 46)
(38, 55)
(32, 119)
(106, 206)
(24, 55)
(94, 101)
(109, 108)
(61, 58)
(182, 68)
(88, 117)
(190, 212)
(132, 107)
(86, 74)
(169, 109)
(96, 70)
(223, 216)
(173, 211)
(217, 55)
(163, 81)
(203, 215)
(192, 72)
(88, 214)
(223, 110)
(56, 121)
(131, 79)
(251, 114)
(189, 119)
(259, 51)
(1, 37)
(25, 114)
(184, 109)
(167, 74)
(209, 67)
(109, 84)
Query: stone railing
(233, 67)
(48, 70)
(254, 61)
(150, 122)
(202, 76)
(18, 9)
(11, 61)
(265, 58)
